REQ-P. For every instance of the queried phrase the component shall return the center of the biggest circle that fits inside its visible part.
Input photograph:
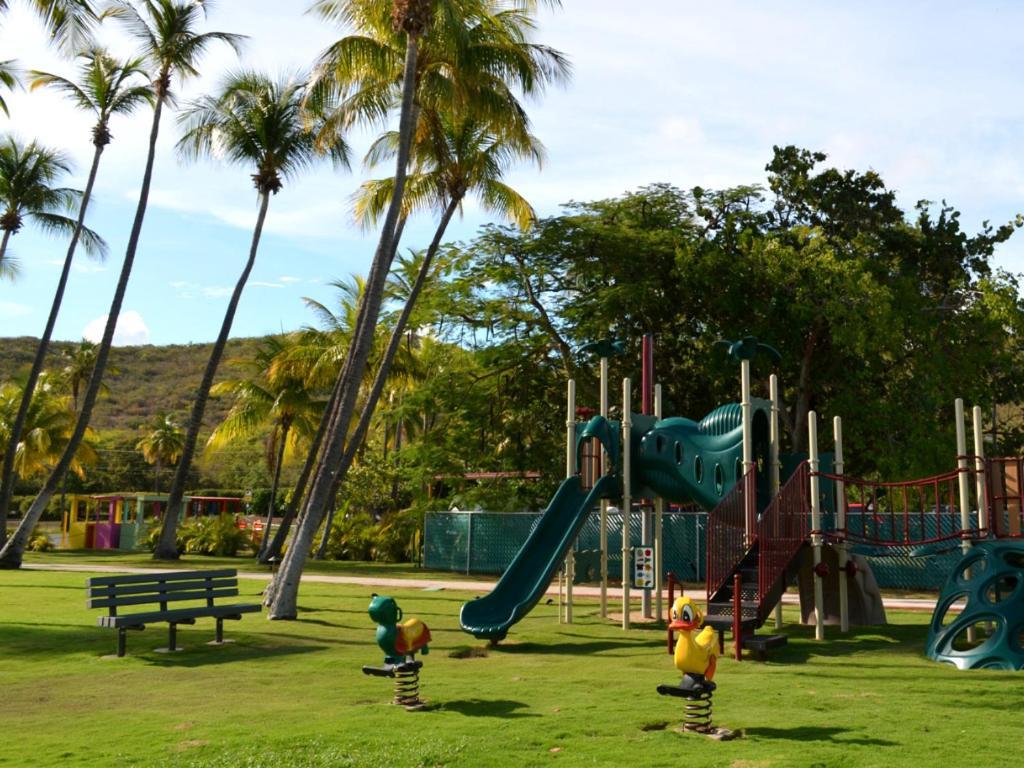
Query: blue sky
(929, 94)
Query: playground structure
(761, 525)
(988, 632)
(122, 520)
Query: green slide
(529, 574)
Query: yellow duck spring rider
(695, 653)
(695, 657)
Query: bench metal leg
(172, 637)
(220, 631)
(122, 637)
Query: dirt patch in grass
(468, 652)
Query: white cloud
(131, 329)
(261, 284)
(289, 279)
(11, 309)
(188, 290)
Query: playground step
(761, 644)
(724, 623)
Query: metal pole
(603, 542)
(748, 449)
(979, 470)
(570, 470)
(469, 541)
(961, 465)
(964, 489)
(819, 596)
(627, 425)
(844, 594)
(659, 529)
(774, 474)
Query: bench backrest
(113, 592)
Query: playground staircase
(762, 567)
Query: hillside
(149, 379)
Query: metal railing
(782, 529)
(727, 534)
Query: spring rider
(400, 642)
(695, 657)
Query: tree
(9, 79)
(476, 49)
(453, 157)
(105, 87)
(27, 194)
(50, 421)
(258, 122)
(171, 47)
(70, 23)
(161, 445)
(268, 396)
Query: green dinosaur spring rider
(400, 641)
(989, 631)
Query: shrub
(215, 536)
(356, 536)
(40, 543)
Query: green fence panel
(486, 542)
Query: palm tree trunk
(12, 553)
(167, 548)
(273, 492)
(397, 333)
(286, 586)
(7, 478)
(281, 535)
(3, 245)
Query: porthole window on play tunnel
(698, 469)
(719, 479)
(679, 453)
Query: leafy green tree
(257, 122)
(161, 445)
(171, 44)
(105, 87)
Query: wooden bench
(161, 589)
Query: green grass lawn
(292, 693)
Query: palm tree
(161, 445)
(50, 421)
(105, 87)
(70, 23)
(9, 79)
(259, 122)
(477, 49)
(171, 47)
(453, 157)
(27, 194)
(268, 395)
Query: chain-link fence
(486, 543)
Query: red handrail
(906, 513)
(782, 529)
(726, 534)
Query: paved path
(483, 587)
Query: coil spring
(407, 688)
(697, 713)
